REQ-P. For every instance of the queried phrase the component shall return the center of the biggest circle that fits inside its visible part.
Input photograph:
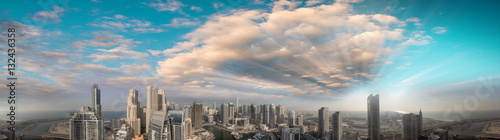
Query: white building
(124, 133)
(85, 125)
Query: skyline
(331, 54)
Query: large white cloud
(289, 51)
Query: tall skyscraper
(224, 109)
(280, 114)
(412, 126)
(177, 125)
(291, 118)
(373, 117)
(196, 115)
(323, 124)
(265, 114)
(155, 101)
(134, 112)
(231, 112)
(162, 106)
(337, 126)
(151, 103)
(85, 125)
(96, 100)
(159, 126)
(272, 115)
(237, 105)
(300, 121)
(215, 106)
(253, 111)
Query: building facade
(373, 117)
(85, 125)
(337, 126)
(412, 126)
(323, 124)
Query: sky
(434, 55)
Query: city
(250, 70)
(161, 120)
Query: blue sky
(302, 54)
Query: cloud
(117, 53)
(196, 8)
(169, 5)
(262, 51)
(313, 2)
(52, 16)
(419, 39)
(123, 23)
(183, 22)
(439, 30)
(414, 20)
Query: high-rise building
(155, 101)
(134, 112)
(96, 100)
(280, 114)
(231, 110)
(265, 114)
(177, 125)
(253, 111)
(237, 105)
(215, 106)
(159, 126)
(224, 110)
(151, 103)
(291, 134)
(291, 118)
(196, 115)
(85, 125)
(373, 117)
(323, 124)
(300, 121)
(412, 126)
(272, 115)
(337, 126)
(162, 106)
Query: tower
(134, 112)
(196, 115)
(96, 100)
(373, 117)
(323, 125)
(337, 126)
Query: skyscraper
(231, 111)
(323, 124)
(291, 118)
(265, 114)
(215, 106)
(272, 115)
(96, 100)
(177, 125)
(155, 101)
(373, 117)
(134, 112)
(151, 103)
(85, 125)
(237, 105)
(337, 126)
(159, 126)
(412, 126)
(253, 111)
(300, 121)
(196, 115)
(162, 106)
(224, 109)
(280, 114)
